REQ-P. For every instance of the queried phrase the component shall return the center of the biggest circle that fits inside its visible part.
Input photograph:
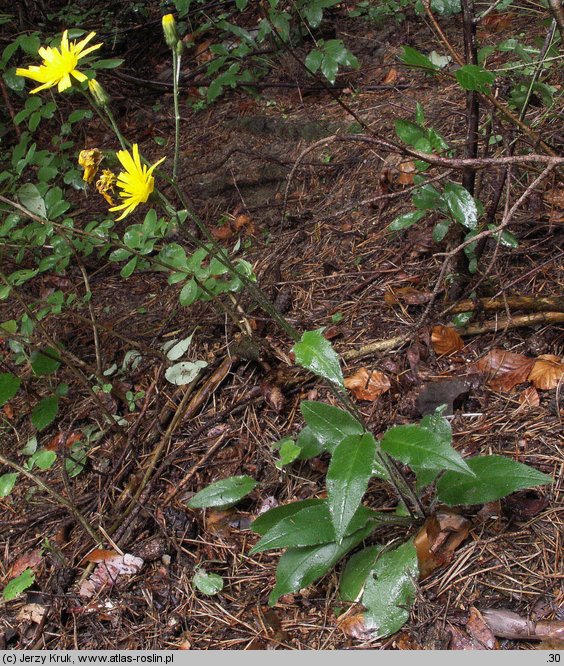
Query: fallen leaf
(434, 394)
(407, 295)
(530, 397)
(407, 172)
(555, 197)
(8, 412)
(437, 540)
(217, 522)
(496, 22)
(446, 340)
(354, 626)
(98, 555)
(462, 641)
(504, 370)
(107, 573)
(367, 385)
(244, 222)
(391, 77)
(525, 504)
(273, 396)
(30, 560)
(222, 232)
(547, 372)
(33, 613)
(479, 629)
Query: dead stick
(519, 321)
(528, 303)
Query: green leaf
(406, 220)
(45, 412)
(289, 452)
(45, 362)
(440, 230)
(310, 446)
(108, 63)
(460, 320)
(189, 293)
(423, 449)
(185, 372)
(175, 349)
(299, 567)
(266, 521)
(7, 483)
(414, 58)
(18, 585)
(410, 132)
(316, 353)
(328, 424)
(224, 493)
(426, 198)
(313, 60)
(356, 572)
(43, 459)
(347, 478)
(206, 583)
(474, 77)
(461, 205)
(9, 385)
(495, 477)
(311, 526)
(128, 269)
(30, 197)
(390, 590)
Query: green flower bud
(101, 97)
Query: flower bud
(101, 97)
(171, 32)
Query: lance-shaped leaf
(224, 493)
(299, 567)
(390, 590)
(347, 478)
(330, 425)
(315, 353)
(495, 477)
(356, 572)
(312, 526)
(267, 520)
(423, 449)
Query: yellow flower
(136, 182)
(59, 64)
(105, 184)
(90, 160)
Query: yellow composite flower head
(136, 182)
(59, 64)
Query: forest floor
(316, 233)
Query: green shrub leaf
(31, 199)
(224, 493)
(415, 58)
(461, 205)
(45, 412)
(347, 478)
(474, 77)
(316, 353)
(9, 385)
(45, 362)
(495, 477)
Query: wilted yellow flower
(90, 160)
(59, 64)
(101, 97)
(105, 184)
(136, 182)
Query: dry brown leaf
(222, 232)
(547, 372)
(218, 522)
(98, 555)
(29, 560)
(33, 613)
(555, 197)
(354, 626)
(437, 540)
(495, 22)
(272, 395)
(529, 397)
(367, 385)
(407, 295)
(244, 222)
(407, 172)
(504, 370)
(480, 630)
(107, 573)
(446, 340)
(391, 77)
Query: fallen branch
(527, 303)
(507, 624)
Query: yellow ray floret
(59, 64)
(136, 182)
(105, 185)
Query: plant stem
(176, 80)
